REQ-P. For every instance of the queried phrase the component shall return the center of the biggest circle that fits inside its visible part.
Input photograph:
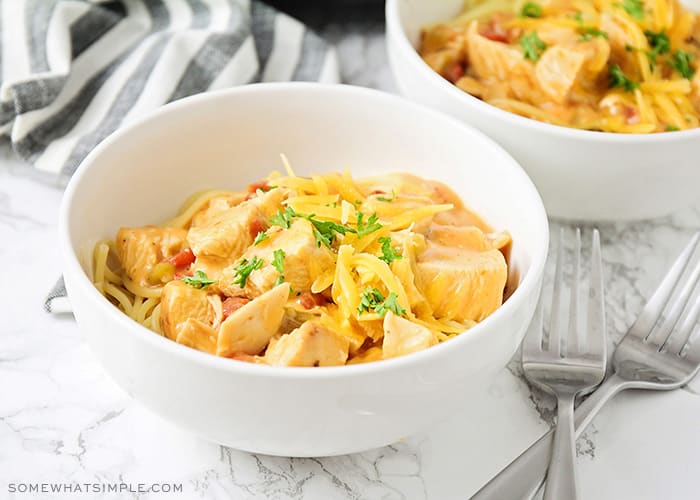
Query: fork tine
(553, 343)
(672, 317)
(596, 338)
(680, 338)
(574, 333)
(647, 319)
(691, 351)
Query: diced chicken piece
(618, 37)
(269, 202)
(468, 237)
(248, 329)
(462, 284)
(180, 301)
(555, 34)
(141, 248)
(402, 336)
(557, 71)
(497, 61)
(229, 236)
(216, 208)
(312, 344)
(198, 335)
(303, 261)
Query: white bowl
(580, 174)
(228, 139)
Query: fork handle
(561, 478)
(524, 475)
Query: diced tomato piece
(262, 185)
(454, 72)
(182, 259)
(255, 227)
(309, 300)
(631, 115)
(377, 191)
(233, 304)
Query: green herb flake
(531, 9)
(391, 303)
(243, 270)
(389, 254)
(680, 61)
(634, 8)
(589, 32)
(278, 260)
(199, 280)
(618, 79)
(283, 219)
(532, 46)
(386, 199)
(365, 228)
(672, 128)
(578, 17)
(370, 299)
(260, 237)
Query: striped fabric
(75, 70)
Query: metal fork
(572, 362)
(659, 352)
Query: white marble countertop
(62, 420)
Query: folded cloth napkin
(73, 71)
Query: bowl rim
(78, 277)
(395, 31)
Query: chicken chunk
(229, 236)
(303, 261)
(557, 71)
(467, 237)
(312, 344)
(619, 38)
(402, 336)
(500, 62)
(180, 302)
(461, 284)
(250, 328)
(198, 335)
(216, 208)
(141, 248)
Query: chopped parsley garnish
(372, 300)
(618, 79)
(199, 280)
(369, 300)
(389, 254)
(243, 270)
(324, 231)
(532, 46)
(531, 9)
(391, 303)
(261, 236)
(283, 219)
(388, 200)
(672, 128)
(278, 263)
(365, 228)
(589, 32)
(578, 16)
(659, 42)
(680, 61)
(634, 8)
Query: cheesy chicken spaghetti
(316, 271)
(608, 65)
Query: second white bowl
(580, 174)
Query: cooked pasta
(625, 66)
(296, 271)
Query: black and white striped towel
(75, 70)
